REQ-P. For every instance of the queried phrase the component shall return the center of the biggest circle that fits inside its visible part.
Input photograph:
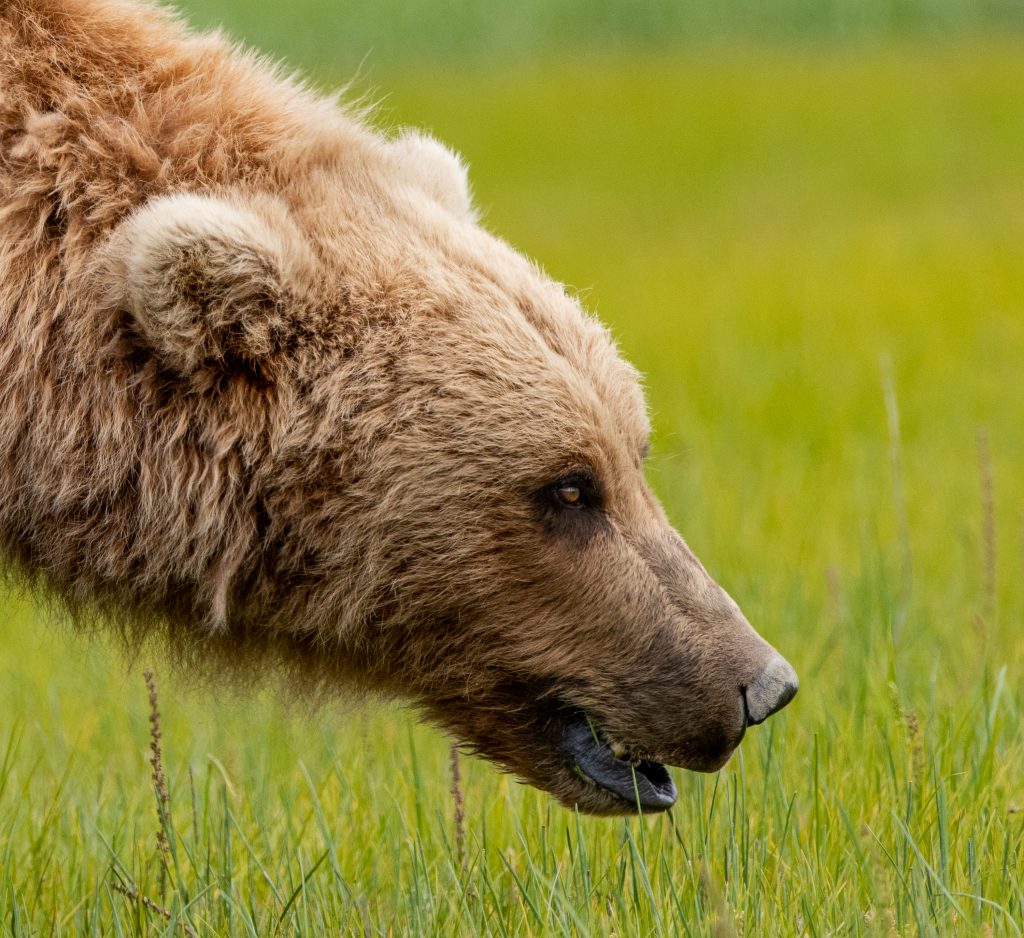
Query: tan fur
(269, 391)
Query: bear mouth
(640, 782)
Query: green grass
(785, 242)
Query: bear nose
(771, 690)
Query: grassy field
(816, 256)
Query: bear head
(440, 458)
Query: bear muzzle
(620, 778)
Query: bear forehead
(478, 317)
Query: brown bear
(272, 394)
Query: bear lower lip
(641, 783)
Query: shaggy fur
(270, 391)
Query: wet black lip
(641, 783)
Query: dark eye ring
(574, 493)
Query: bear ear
(207, 282)
(440, 172)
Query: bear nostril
(773, 688)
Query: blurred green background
(336, 38)
(804, 222)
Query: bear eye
(575, 491)
(569, 495)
